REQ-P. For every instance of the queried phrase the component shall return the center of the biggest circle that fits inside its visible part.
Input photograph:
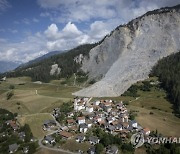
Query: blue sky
(31, 28)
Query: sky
(32, 28)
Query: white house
(96, 102)
(133, 123)
(89, 109)
(81, 120)
(146, 131)
(49, 139)
(80, 138)
(83, 128)
(93, 140)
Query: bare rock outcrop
(128, 54)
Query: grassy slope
(35, 122)
(31, 105)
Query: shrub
(11, 87)
(9, 95)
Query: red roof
(81, 118)
(66, 134)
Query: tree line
(168, 71)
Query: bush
(9, 95)
(11, 87)
(126, 103)
(92, 81)
(64, 82)
(99, 148)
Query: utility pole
(74, 79)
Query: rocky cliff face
(128, 54)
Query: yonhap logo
(137, 140)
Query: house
(133, 123)
(102, 122)
(111, 128)
(96, 108)
(49, 124)
(113, 112)
(119, 105)
(123, 118)
(93, 140)
(123, 110)
(70, 114)
(13, 148)
(125, 125)
(112, 150)
(64, 128)
(107, 108)
(146, 131)
(73, 128)
(79, 104)
(91, 116)
(92, 150)
(100, 114)
(89, 108)
(83, 128)
(3, 79)
(71, 122)
(109, 120)
(25, 149)
(105, 104)
(22, 136)
(49, 139)
(89, 123)
(96, 103)
(119, 127)
(106, 125)
(81, 120)
(66, 134)
(80, 138)
(13, 124)
(130, 128)
(97, 119)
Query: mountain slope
(52, 53)
(7, 66)
(128, 54)
(63, 65)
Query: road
(53, 148)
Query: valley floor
(34, 102)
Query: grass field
(34, 108)
(25, 99)
(73, 146)
(35, 122)
(46, 151)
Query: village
(110, 116)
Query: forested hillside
(168, 71)
(40, 71)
